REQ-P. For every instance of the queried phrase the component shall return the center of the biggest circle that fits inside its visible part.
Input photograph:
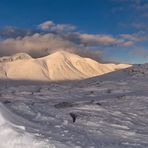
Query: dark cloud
(13, 32)
(138, 13)
(139, 26)
(140, 52)
(38, 45)
(98, 40)
(139, 4)
(136, 25)
(41, 44)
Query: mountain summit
(60, 65)
(18, 56)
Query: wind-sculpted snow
(15, 136)
(13, 132)
(109, 113)
(60, 65)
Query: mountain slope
(60, 65)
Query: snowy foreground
(111, 111)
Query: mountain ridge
(60, 65)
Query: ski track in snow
(110, 114)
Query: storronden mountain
(60, 65)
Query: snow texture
(111, 112)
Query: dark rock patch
(64, 105)
(73, 116)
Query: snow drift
(15, 136)
(60, 65)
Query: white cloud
(98, 39)
(107, 40)
(50, 25)
(129, 37)
(46, 25)
(127, 44)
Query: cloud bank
(55, 37)
(37, 45)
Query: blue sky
(116, 28)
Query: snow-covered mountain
(18, 56)
(60, 65)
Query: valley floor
(109, 114)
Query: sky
(115, 30)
